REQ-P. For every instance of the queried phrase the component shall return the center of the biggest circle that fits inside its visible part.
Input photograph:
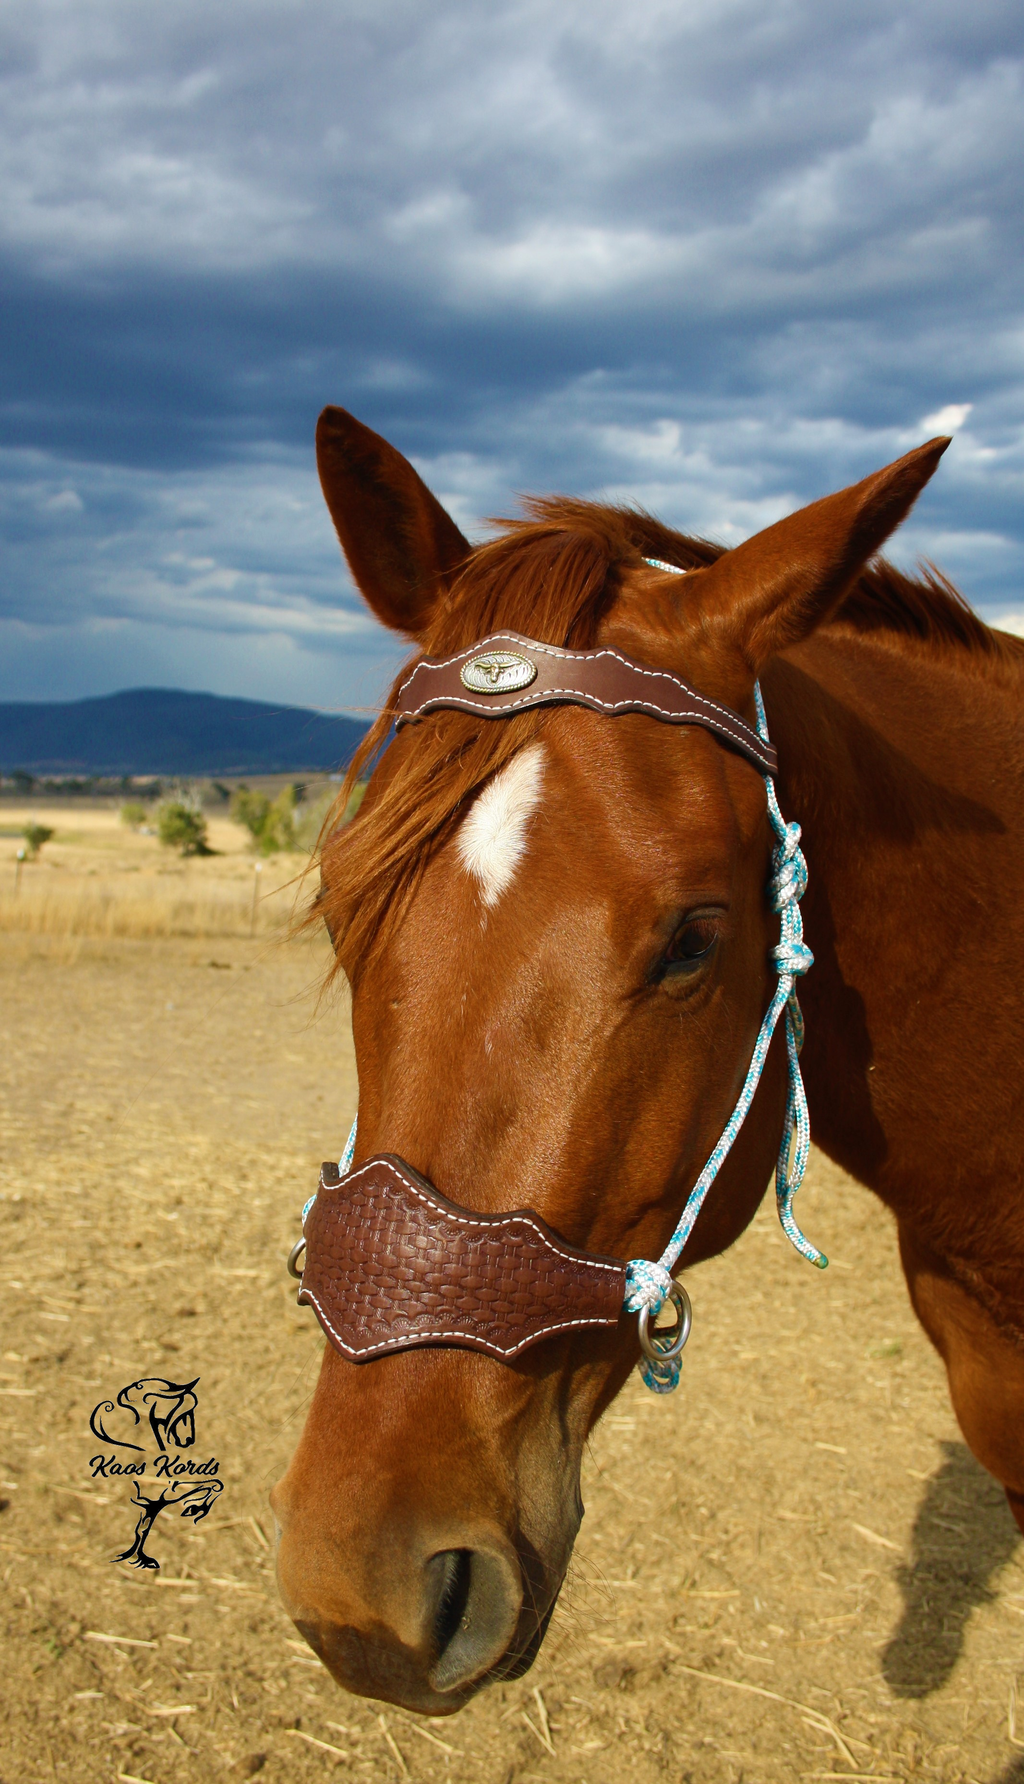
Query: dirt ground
(790, 1569)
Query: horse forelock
(552, 576)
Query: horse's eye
(691, 945)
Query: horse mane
(927, 607)
(552, 574)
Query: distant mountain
(166, 731)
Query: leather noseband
(391, 1264)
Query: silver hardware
(293, 1258)
(665, 1345)
(497, 672)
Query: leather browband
(602, 679)
(392, 1264)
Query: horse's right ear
(774, 589)
(402, 548)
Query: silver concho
(497, 672)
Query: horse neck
(904, 763)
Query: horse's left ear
(402, 547)
(774, 589)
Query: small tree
(133, 814)
(270, 823)
(35, 836)
(250, 810)
(310, 818)
(180, 827)
(281, 823)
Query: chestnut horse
(558, 943)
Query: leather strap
(602, 679)
(392, 1264)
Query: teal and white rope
(345, 1161)
(647, 1283)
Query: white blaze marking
(493, 837)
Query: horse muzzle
(431, 1507)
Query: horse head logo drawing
(169, 1408)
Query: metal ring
(293, 1258)
(665, 1346)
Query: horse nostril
(454, 1569)
(479, 1597)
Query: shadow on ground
(1014, 1773)
(963, 1534)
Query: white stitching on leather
(588, 656)
(407, 1340)
(488, 1221)
(457, 702)
(488, 1224)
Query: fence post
(257, 870)
(19, 861)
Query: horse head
(558, 944)
(169, 1408)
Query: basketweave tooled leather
(392, 1264)
(603, 679)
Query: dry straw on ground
(791, 1569)
(148, 908)
(97, 880)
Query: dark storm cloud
(717, 258)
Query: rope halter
(392, 1262)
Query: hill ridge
(172, 731)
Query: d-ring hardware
(664, 1346)
(293, 1258)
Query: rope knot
(792, 956)
(788, 881)
(647, 1285)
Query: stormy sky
(712, 255)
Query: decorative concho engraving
(497, 672)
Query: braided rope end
(661, 1378)
(798, 1239)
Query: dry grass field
(790, 1570)
(97, 878)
